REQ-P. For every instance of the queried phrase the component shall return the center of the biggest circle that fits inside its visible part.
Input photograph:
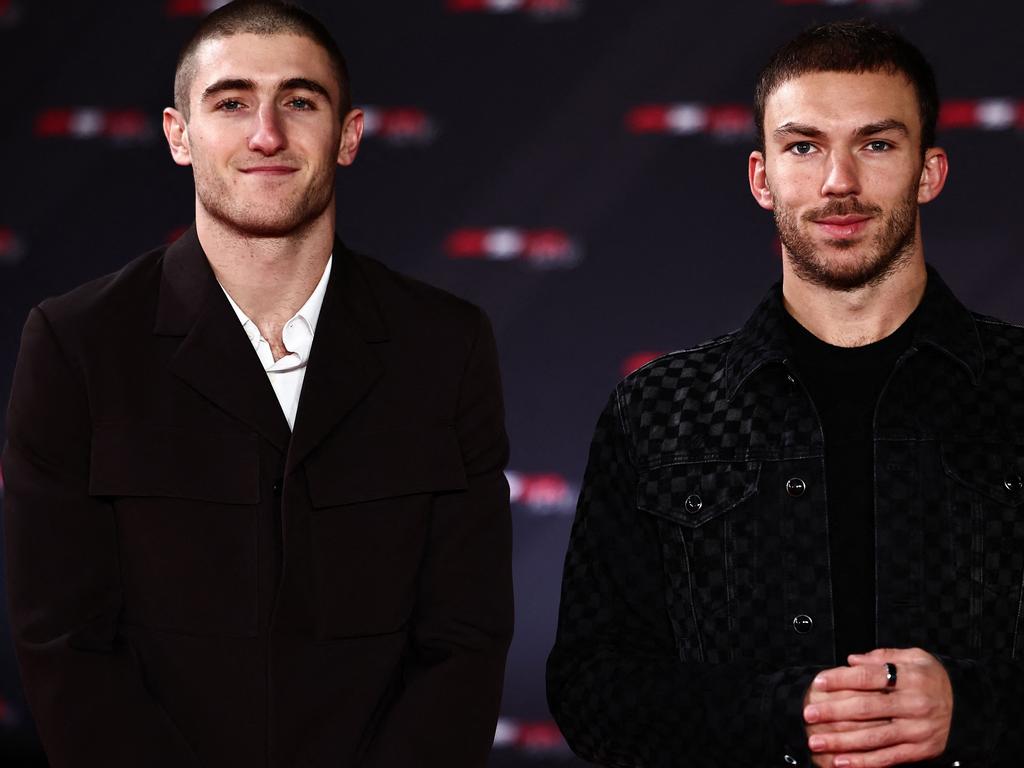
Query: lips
(843, 227)
(269, 170)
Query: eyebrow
(882, 126)
(800, 129)
(245, 84)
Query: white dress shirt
(286, 374)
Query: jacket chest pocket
(709, 551)
(185, 504)
(372, 500)
(986, 492)
(986, 506)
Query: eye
(879, 146)
(801, 148)
(229, 105)
(301, 102)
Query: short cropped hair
(851, 46)
(258, 17)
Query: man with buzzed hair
(802, 543)
(255, 505)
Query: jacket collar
(217, 359)
(942, 322)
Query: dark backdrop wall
(576, 167)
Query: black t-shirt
(844, 384)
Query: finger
(868, 739)
(842, 726)
(866, 677)
(869, 706)
(899, 754)
(887, 654)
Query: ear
(351, 135)
(759, 181)
(933, 174)
(176, 131)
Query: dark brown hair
(258, 17)
(851, 46)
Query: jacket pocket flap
(693, 493)
(167, 461)
(993, 470)
(386, 464)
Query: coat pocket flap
(693, 493)
(387, 464)
(996, 471)
(171, 462)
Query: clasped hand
(855, 720)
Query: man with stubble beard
(255, 508)
(802, 543)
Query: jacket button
(795, 487)
(693, 504)
(277, 487)
(1013, 483)
(802, 624)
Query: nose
(267, 137)
(841, 177)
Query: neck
(270, 278)
(858, 317)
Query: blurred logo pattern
(542, 248)
(12, 251)
(399, 125)
(544, 9)
(986, 114)
(537, 736)
(123, 125)
(691, 118)
(638, 360)
(545, 493)
(193, 7)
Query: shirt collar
(942, 322)
(297, 333)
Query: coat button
(277, 487)
(795, 487)
(693, 504)
(802, 624)
(1013, 483)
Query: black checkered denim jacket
(696, 600)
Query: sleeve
(82, 682)
(446, 712)
(988, 712)
(618, 687)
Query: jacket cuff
(976, 723)
(784, 709)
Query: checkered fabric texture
(696, 598)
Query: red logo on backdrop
(638, 360)
(879, 4)
(537, 736)
(129, 125)
(543, 494)
(8, 715)
(725, 121)
(12, 247)
(985, 114)
(193, 7)
(539, 8)
(10, 13)
(399, 125)
(542, 248)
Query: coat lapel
(215, 357)
(343, 365)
